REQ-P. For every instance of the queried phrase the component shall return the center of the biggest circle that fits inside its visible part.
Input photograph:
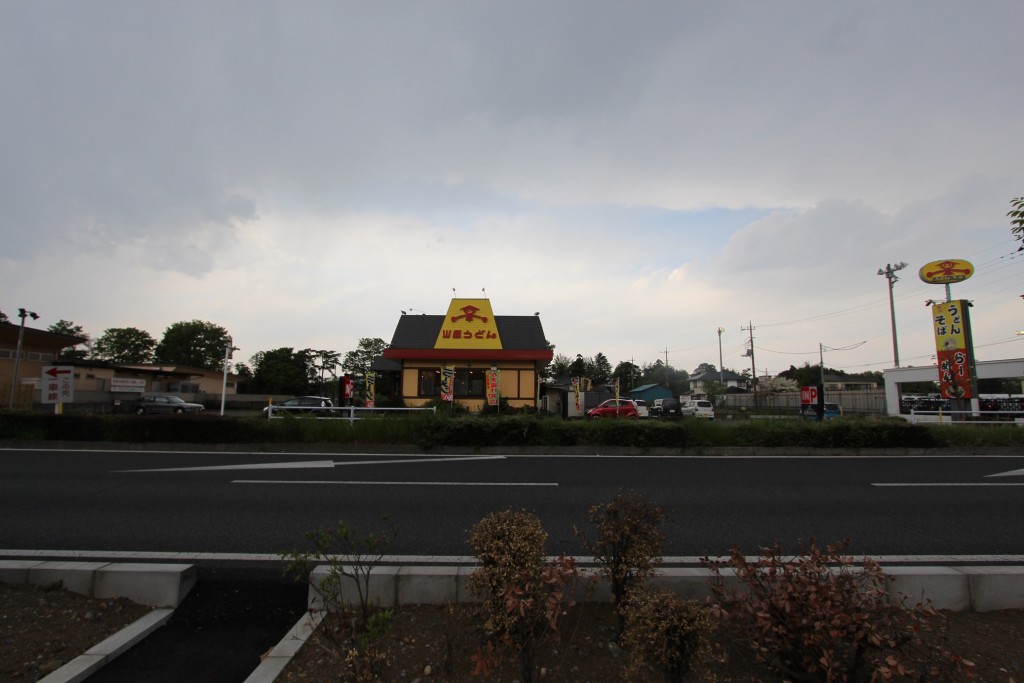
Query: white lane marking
(1012, 473)
(314, 464)
(451, 559)
(398, 483)
(965, 483)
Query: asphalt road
(262, 503)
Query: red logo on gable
(469, 314)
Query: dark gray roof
(517, 332)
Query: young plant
(350, 558)
(815, 616)
(628, 545)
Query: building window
(6, 353)
(429, 383)
(470, 383)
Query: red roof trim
(469, 354)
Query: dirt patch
(431, 644)
(43, 628)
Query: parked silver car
(165, 404)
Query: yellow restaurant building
(472, 341)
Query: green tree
(1016, 215)
(124, 345)
(4, 318)
(280, 371)
(705, 368)
(326, 363)
(66, 327)
(359, 361)
(602, 372)
(713, 388)
(628, 375)
(558, 368)
(195, 343)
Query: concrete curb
(161, 586)
(959, 589)
(155, 585)
(95, 658)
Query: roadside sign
(58, 384)
(808, 395)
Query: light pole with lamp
(890, 274)
(22, 313)
(721, 372)
(227, 362)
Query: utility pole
(666, 369)
(753, 368)
(890, 274)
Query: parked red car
(614, 408)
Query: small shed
(649, 392)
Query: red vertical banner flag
(493, 379)
(953, 352)
(448, 383)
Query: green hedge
(474, 431)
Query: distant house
(39, 348)
(850, 382)
(731, 380)
(650, 392)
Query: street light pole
(224, 384)
(22, 313)
(721, 372)
(890, 274)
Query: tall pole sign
(951, 322)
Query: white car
(699, 408)
(641, 407)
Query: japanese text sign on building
(58, 384)
(953, 353)
(469, 324)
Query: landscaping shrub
(523, 596)
(628, 545)
(665, 631)
(815, 617)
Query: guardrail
(350, 413)
(965, 417)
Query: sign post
(58, 386)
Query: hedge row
(507, 431)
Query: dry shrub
(664, 631)
(816, 617)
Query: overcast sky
(640, 173)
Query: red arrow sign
(53, 372)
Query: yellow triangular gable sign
(469, 325)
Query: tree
(4, 318)
(1016, 215)
(195, 343)
(602, 372)
(713, 388)
(705, 368)
(628, 375)
(66, 327)
(280, 371)
(325, 363)
(358, 362)
(558, 368)
(124, 345)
